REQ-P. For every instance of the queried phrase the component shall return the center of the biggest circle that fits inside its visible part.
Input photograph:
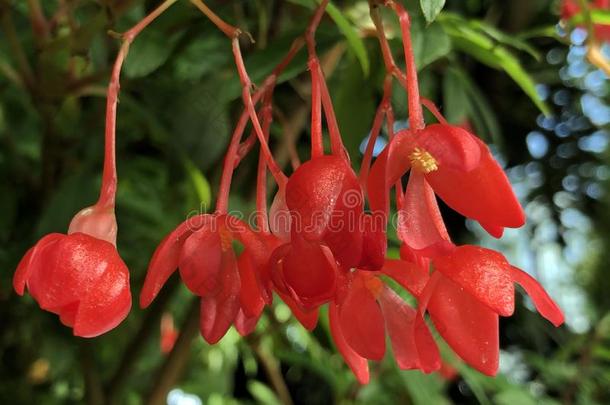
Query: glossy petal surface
(482, 272)
(469, 327)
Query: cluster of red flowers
(318, 244)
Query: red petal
(358, 364)
(323, 193)
(106, 305)
(24, 269)
(279, 216)
(420, 224)
(452, 147)
(250, 297)
(165, 259)
(543, 302)
(245, 324)
(65, 271)
(374, 243)
(309, 271)
(218, 311)
(411, 277)
(484, 273)
(202, 260)
(493, 230)
(399, 320)
(483, 194)
(309, 319)
(362, 322)
(470, 328)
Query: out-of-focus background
(492, 65)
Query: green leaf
(506, 39)
(356, 44)
(263, 394)
(430, 45)
(431, 8)
(456, 104)
(148, 52)
(469, 39)
(200, 184)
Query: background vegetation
(493, 64)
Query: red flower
(78, 276)
(459, 168)
(364, 310)
(467, 292)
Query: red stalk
(109, 178)
(317, 145)
(377, 123)
(434, 110)
(416, 117)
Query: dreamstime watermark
(344, 216)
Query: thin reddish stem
(377, 124)
(317, 144)
(280, 178)
(336, 142)
(386, 52)
(109, 178)
(222, 202)
(416, 117)
(227, 29)
(262, 217)
(390, 128)
(429, 104)
(318, 84)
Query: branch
(174, 364)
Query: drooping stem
(416, 117)
(319, 87)
(386, 52)
(109, 178)
(227, 29)
(429, 104)
(390, 129)
(237, 151)
(317, 145)
(276, 172)
(261, 177)
(377, 124)
(222, 202)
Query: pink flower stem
(320, 90)
(222, 202)
(109, 178)
(276, 172)
(377, 124)
(390, 129)
(317, 145)
(261, 177)
(416, 116)
(434, 110)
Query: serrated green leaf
(431, 9)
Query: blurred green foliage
(179, 100)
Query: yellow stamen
(423, 161)
(226, 240)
